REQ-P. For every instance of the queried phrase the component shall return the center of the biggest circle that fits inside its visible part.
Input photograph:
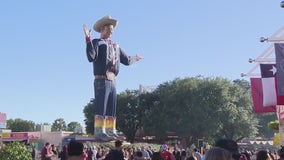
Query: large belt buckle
(110, 76)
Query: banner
(268, 72)
(279, 53)
(3, 120)
(15, 136)
(257, 97)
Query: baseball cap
(164, 147)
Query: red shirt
(85, 156)
(166, 155)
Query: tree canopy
(73, 125)
(20, 125)
(59, 125)
(194, 107)
(15, 151)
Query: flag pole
(280, 128)
(280, 134)
(263, 39)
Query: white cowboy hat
(104, 21)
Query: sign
(276, 139)
(3, 121)
(200, 143)
(6, 135)
(15, 136)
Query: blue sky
(45, 74)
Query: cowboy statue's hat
(104, 21)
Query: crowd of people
(48, 152)
(223, 149)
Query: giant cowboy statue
(106, 55)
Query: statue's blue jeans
(105, 97)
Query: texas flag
(269, 83)
(279, 53)
(257, 97)
(268, 72)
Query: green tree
(10, 123)
(59, 125)
(73, 125)
(89, 112)
(264, 119)
(238, 118)
(129, 113)
(20, 125)
(15, 151)
(202, 107)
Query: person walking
(46, 153)
(116, 153)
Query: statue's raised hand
(86, 31)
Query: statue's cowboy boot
(111, 128)
(99, 129)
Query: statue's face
(106, 31)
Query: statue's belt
(109, 75)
